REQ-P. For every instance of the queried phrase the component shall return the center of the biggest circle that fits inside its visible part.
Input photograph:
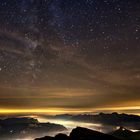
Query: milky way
(70, 54)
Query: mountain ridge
(80, 133)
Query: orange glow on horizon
(64, 110)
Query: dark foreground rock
(80, 133)
(126, 134)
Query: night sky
(70, 56)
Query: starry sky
(74, 56)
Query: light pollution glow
(63, 110)
(70, 124)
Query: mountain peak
(80, 133)
(122, 133)
(121, 128)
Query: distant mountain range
(23, 127)
(114, 119)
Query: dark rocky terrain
(24, 127)
(80, 133)
(126, 134)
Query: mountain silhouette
(23, 127)
(81, 133)
(122, 133)
(126, 134)
(113, 119)
(18, 120)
